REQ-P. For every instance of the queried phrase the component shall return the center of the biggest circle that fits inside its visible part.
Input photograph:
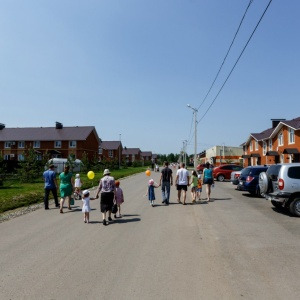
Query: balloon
(91, 175)
(148, 173)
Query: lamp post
(195, 141)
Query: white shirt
(182, 176)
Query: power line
(226, 54)
(237, 60)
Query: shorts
(199, 190)
(181, 187)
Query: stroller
(77, 194)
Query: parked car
(224, 171)
(281, 184)
(249, 179)
(201, 167)
(234, 177)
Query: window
(291, 136)
(270, 145)
(57, 144)
(251, 146)
(264, 148)
(36, 144)
(6, 157)
(280, 139)
(256, 145)
(7, 144)
(110, 153)
(72, 144)
(100, 151)
(21, 144)
(20, 157)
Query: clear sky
(130, 67)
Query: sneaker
(109, 219)
(115, 216)
(104, 222)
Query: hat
(106, 172)
(85, 192)
(77, 175)
(151, 182)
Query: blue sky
(130, 67)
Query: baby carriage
(77, 194)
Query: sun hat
(151, 182)
(106, 172)
(85, 192)
(77, 175)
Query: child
(78, 184)
(194, 184)
(150, 192)
(199, 186)
(119, 198)
(86, 205)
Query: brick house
(146, 155)
(110, 150)
(129, 155)
(58, 141)
(278, 144)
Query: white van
(59, 164)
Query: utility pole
(195, 141)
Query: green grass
(14, 194)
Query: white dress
(86, 204)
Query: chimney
(2, 126)
(58, 125)
(275, 122)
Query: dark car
(249, 179)
(224, 171)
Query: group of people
(182, 181)
(108, 188)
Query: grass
(14, 194)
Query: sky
(130, 67)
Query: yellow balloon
(148, 173)
(91, 175)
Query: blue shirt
(49, 178)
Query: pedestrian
(166, 180)
(150, 191)
(107, 188)
(208, 179)
(182, 182)
(199, 186)
(119, 198)
(86, 205)
(194, 184)
(78, 185)
(66, 187)
(50, 186)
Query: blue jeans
(165, 190)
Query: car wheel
(295, 207)
(221, 177)
(259, 193)
(276, 204)
(263, 182)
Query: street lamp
(195, 141)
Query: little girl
(77, 185)
(199, 186)
(119, 198)
(150, 191)
(86, 205)
(194, 183)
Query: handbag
(114, 208)
(72, 201)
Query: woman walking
(107, 188)
(208, 179)
(66, 187)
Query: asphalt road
(237, 247)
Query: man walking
(166, 180)
(50, 185)
(182, 182)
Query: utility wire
(226, 54)
(237, 60)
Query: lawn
(14, 194)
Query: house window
(251, 146)
(20, 157)
(264, 148)
(57, 144)
(7, 144)
(21, 144)
(256, 145)
(291, 136)
(100, 151)
(110, 153)
(280, 139)
(36, 144)
(133, 157)
(7, 157)
(72, 144)
(270, 145)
